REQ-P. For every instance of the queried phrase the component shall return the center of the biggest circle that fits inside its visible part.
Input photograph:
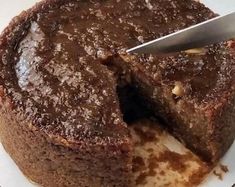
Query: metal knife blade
(212, 31)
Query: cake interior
(158, 158)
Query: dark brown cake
(60, 117)
(194, 95)
(60, 63)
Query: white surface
(220, 6)
(10, 176)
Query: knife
(212, 31)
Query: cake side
(48, 164)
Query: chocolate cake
(194, 95)
(61, 64)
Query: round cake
(61, 64)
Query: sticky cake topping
(54, 70)
(204, 76)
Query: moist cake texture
(60, 65)
(195, 92)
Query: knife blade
(212, 31)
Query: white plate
(10, 175)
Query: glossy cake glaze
(60, 114)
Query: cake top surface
(65, 93)
(50, 61)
